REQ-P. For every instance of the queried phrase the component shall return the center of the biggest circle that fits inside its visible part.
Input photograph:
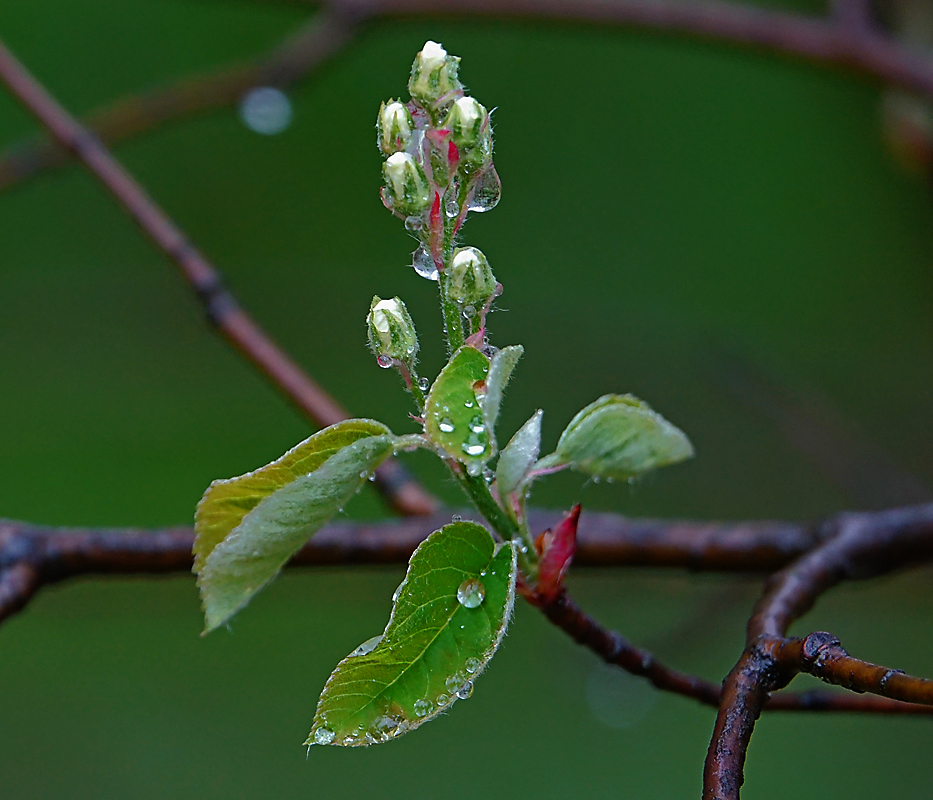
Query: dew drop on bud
(323, 736)
(446, 425)
(384, 361)
(456, 518)
(474, 468)
(468, 311)
(466, 690)
(423, 263)
(423, 384)
(414, 224)
(487, 191)
(471, 593)
(451, 207)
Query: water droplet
(474, 468)
(423, 384)
(396, 593)
(465, 691)
(364, 474)
(474, 447)
(368, 646)
(487, 191)
(423, 707)
(266, 110)
(456, 518)
(490, 351)
(471, 593)
(372, 477)
(477, 425)
(469, 404)
(442, 699)
(468, 311)
(323, 736)
(451, 207)
(414, 224)
(423, 263)
(446, 425)
(471, 665)
(454, 682)
(384, 361)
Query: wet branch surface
(855, 546)
(811, 558)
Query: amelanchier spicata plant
(451, 611)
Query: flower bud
(467, 123)
(470, 282)
(433, 75)
(393, 127)
(406, 185)
(391, 332)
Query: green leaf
(434, 646)
(618, 436)
(226, 502)
(519, 455)
(500, 370)
(453, 417)
(248, 527)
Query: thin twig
(221, 306)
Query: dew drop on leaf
(446, 425)
(471, 665)
(323, 736)
(465, 690)
(368, 646)
(423, 707)
(471, 593)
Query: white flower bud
(391, 332)
(467, 123)
(470, 282)
(393, 127)
(406, 185)
(433, 75)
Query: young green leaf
(449, 616)
(453, 417)
(500, 370)
(270, 531)
(226, 502)
(519, 455)
(618, 436)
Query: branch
(32, 556)
(821, 41)
(856, 546)
(221, 306)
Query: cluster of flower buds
(438, 148)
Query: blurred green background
(723, 233)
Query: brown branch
(856, 546)
(298, 55)
(221, 306)
(33, 556)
